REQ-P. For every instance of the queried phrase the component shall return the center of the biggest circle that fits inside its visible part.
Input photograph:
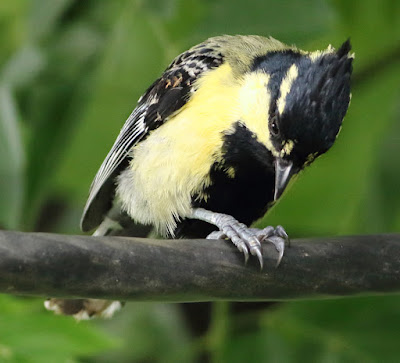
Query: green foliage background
(71, 72)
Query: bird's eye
(274, 126)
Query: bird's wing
(163, 98)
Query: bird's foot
(247, 240)
(241, 236)
(277, 236)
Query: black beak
(284, 171)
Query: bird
(213, 143)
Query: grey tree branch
(194, 270)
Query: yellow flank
(286, 84)
(173, 163)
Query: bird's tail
(83, 309)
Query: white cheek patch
(254, 101)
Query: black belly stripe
(247, 195)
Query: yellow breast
(173, 163)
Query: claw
(280, 256)
(243, 248)
(280, 231)
(246, 255)
(260, 258)
(279, 244)
(244, 238)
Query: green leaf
(150, 331)
(289, 21)
(53, 106)
(12, 27)
(120, 80)
(43, 16)
(11, 161)
(30, 334)
(23, 67)
(344, 330)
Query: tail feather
(83, 309)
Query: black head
(309, 97)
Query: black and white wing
(163, 98)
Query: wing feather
(163, 98)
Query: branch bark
(194, 270)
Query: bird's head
(308, 96)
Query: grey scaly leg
(244, 238)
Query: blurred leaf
(379, 211)
(29, 334)
(11, 161)
(23, 67)
(289, 21)
(132, 47)
(374, 27)
(151, 331)
(43, 16)
(178, 24)
(54, 105)
(322, 331)
(12, 27)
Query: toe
(262, 234)
(216, 235)
(280, 231)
